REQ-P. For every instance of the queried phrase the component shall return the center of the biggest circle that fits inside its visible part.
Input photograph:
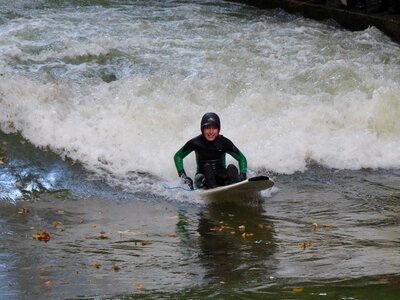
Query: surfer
(211, 148)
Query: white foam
(284, 100)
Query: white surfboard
(238, 192)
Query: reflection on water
(236, 243)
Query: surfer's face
(210, 132)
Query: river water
(97, 96)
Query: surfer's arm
(233, 151)
(178, 159)
(241, 160)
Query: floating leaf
(47, 283)
(56, 224)
(103, 235)
(247, 235)
(24, 210)
(297, 290)
(41, 236)
(139, 286)
(264, 226)
(316, 225)
(304, 245)
(217, 228)
(116, 268)
(95, 264)
(172, 234)
(93, 226)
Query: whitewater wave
(123, 96)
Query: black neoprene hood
(210, 118)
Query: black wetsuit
(210, 153)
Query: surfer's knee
(233, 174)
(210, 179)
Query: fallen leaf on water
(93, 225)
(217, 228)
(47, 283)
(103, 235)
(116, 268)
(316, 225)
(55, 224)
(304, 245)
(139, 286)
(172, 234)
(95, 264)
(297, 290)
(24, 210)
(41, 236)
(222, 282)
(247, 235)
(264, 226)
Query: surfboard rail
(237, 191)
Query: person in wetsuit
(211, 148)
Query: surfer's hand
(187, 180)
(242, 176)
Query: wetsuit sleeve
(180, 155)
(241, 160)
(236, 154)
